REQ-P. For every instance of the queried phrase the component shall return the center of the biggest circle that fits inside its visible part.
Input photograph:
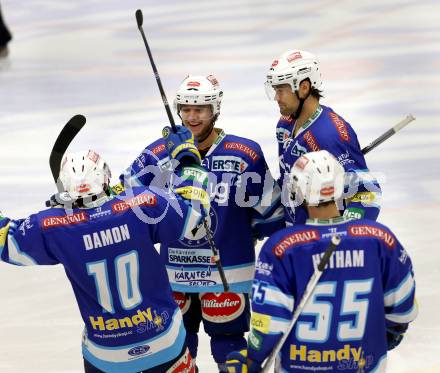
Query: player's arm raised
(22, 242)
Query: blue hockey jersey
(326, 130)
(245, 203)
(131, 320)
(367, 285)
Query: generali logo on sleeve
(293, 240)
(341, 127)
(140, 200)
(56, 221)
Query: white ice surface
(380, 60)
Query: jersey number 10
(127, 281)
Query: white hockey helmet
(199, 90)
(84, 174)
(315, 178)
(292, 67)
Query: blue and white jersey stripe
(395, 297)
(403, 317)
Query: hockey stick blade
(67, 134)
(385, 136)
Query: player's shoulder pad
(150, 155)
(341, 127)
(242, 147)
(59, 216)
(136, 196)
(367, 228)
(289, 238)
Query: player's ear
(304, 88)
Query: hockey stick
(409, 118)
(65, 137)
(67, 134)
(335, 241)
(139, 21)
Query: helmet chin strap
(298, 111)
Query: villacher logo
(222, 307)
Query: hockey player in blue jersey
(363, 302)
(245, 204)
(105, 243)
(305, 126)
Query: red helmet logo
(274, 63)
(193, 84)
(294, 56)
(328, 191)
(83, 188)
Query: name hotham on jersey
(341, 259)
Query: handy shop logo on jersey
(141, 316)
(294, 239)
(140, 200)
(303, 353)
(57, 221)
(228, 163)
(222, 307)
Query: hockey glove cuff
(237, 362)
(181, 145)
(395, 335)
(191, 184)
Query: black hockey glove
(395, 335)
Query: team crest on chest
(197, 236)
